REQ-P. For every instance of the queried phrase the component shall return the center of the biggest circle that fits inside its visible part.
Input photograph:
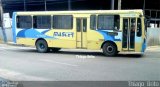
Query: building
(40, 5)
(151, 8)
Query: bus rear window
(24, 22)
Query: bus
(111, 31)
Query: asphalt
(2, 79)
(18, 63)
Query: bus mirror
(147, 21)
(140, 15)
(148, 24)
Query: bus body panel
(109, 35)
(63, 38)
(94, 40)
(68, 38)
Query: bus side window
(17, 20)
(108, 22)
(24, 22)
(139, 27)
(42, 22)
(62, 22)
(93, 20)
(133, 24)
(78, 24)
(84, 25)
(116, 22)
(34, 22)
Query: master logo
(63, 34)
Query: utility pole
(69, 4)
(112, 4)
(144, 5)
(1, 20)
(45, 5)
(24, 5)
(119, 4)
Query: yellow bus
(111, 31)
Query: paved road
(2, 79)
(25, 64)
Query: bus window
(93, 22)
(133, 25)
(78, 25)
(24, 22)
(132, 32)
(139, 27)
(108, 22)
(62, 21)
(116, 22)
(42, 22)
(84, 25)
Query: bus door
(129, 28)
(81, 32)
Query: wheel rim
(41, 46)
(110, 49)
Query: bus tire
(41, 46)
(109, 49)
(55, 49)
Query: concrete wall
(8, 32)
(153, 36)
(1, 35)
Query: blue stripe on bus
(43, 32)
(32, 33)
(108, 37)
(144, 45)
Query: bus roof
(81, 12)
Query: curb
(18, 45)
(153, 48)
(14, 44)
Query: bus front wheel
(41, 46)
(109, 49)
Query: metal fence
(154, 17)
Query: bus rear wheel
(41, 46)
(109, 49)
